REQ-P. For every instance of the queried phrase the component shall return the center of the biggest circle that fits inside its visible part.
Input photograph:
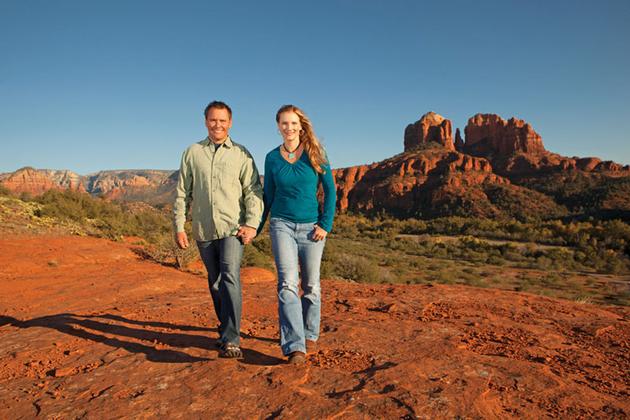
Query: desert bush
(446, 277)
(258, 253)
(26, 196)
(165, 251)
(550, 280)
(413, 227)
(356, 268)
(262, 243)
(111, 218)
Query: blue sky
(88, 85)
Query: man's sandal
(231, 351)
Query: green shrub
(253, 256)
(356, 268)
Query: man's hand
(182, 240)
(319, 233)
(246, 233)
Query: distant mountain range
(151, 186)
(500, 169)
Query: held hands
(246, 233)
(182, 240)
(319, 233)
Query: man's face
(218, 123)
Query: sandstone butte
(436, 172)
(431, 127)
(88, 329)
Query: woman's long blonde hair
(312, 146)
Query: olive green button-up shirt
(221, 187)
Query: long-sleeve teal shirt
(223, 188)
(290, 191)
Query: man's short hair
(217, 105)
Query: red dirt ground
(88, 329)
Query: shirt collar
(227, 143)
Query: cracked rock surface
(102, 333)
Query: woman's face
(289, 126)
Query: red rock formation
(35, 182)
(153, 186)
(497, 156)
(430, 128)
(521, 164)
(404, 184)
(115, 183)
(459, 142)
(345, 180)
(490, 135)
(587, 164)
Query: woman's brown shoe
(297, 358)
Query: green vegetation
(110, 219)
(259, 254)
(583, 261)
(592, 246)
(79, 213)
(586, 193)
(551, 258)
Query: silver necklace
(291, 155)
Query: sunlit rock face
(431, 127)
(33, 181)
(490, 135)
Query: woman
(298, 229)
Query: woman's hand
(318, 233)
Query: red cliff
(406, 184)
(490, 135)
(35, 182)
(431, 127)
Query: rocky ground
(88, 329)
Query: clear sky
(92, 85)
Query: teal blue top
(290, 191)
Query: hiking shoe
(311, 346)
(297, 358)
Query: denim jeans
(294, 247)
(222, 258)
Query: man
(220, 178)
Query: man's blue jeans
(222, 258)
(294, 247)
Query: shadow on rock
(253, 357)
(78, 326)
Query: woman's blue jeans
(222, 258)
(297, 255)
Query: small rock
(59, 373)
